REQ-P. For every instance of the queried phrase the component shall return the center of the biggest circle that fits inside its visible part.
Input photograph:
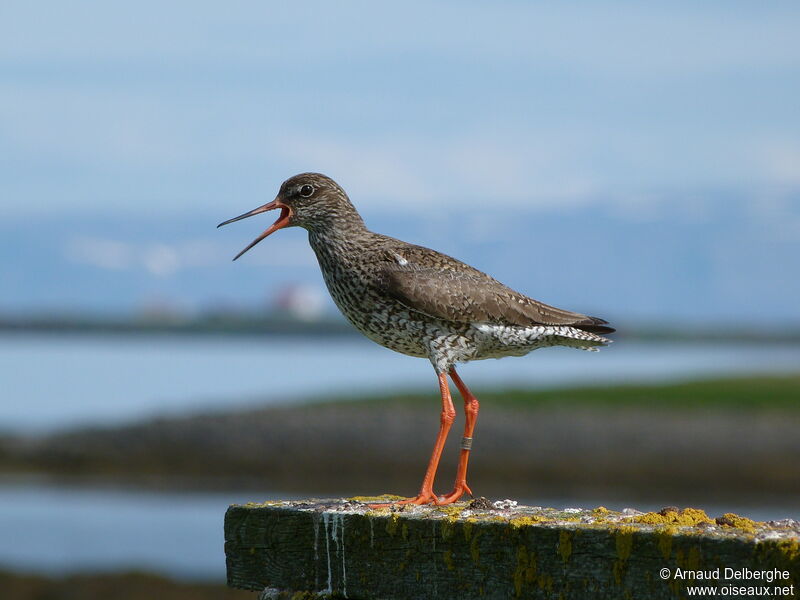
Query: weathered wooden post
(482, 550)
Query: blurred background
(640, 163)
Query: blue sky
(653, 151)
(151, 106)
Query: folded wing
(454, 291)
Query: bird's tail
(594, 325)
(575, 337)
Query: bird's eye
(306, 190)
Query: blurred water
(61, 529)
(56, 530)
(52, 381)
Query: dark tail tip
(595, 325)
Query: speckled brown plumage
(421, 302)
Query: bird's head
(308, 200)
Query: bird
(421, 303)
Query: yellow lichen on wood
(565, 545)
(519, 572)
(690, 560)
(377, 512)
(375, 499)
(785, 552)
(474, 550)
(734, 520)
(525, 573)
(452, 515)
(447, 558)
(525, 521)
(688, 517)
(453, 511)
(392, 524)
(468, 525)
(545, 582)
(790, 549)
(448, 527)
(664, 540)
(265, 503)
(624, 542)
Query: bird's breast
(355, 291)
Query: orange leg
(471, 407)
(426, 495)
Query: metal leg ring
(466, 443)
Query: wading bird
(420, 302)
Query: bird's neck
(342, 236)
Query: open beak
(283, 221)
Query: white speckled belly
(497, 341)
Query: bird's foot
(427, 497)
(459, 490)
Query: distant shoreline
(658, 441)
(255, 325)
(223, 326)
(124, 585)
